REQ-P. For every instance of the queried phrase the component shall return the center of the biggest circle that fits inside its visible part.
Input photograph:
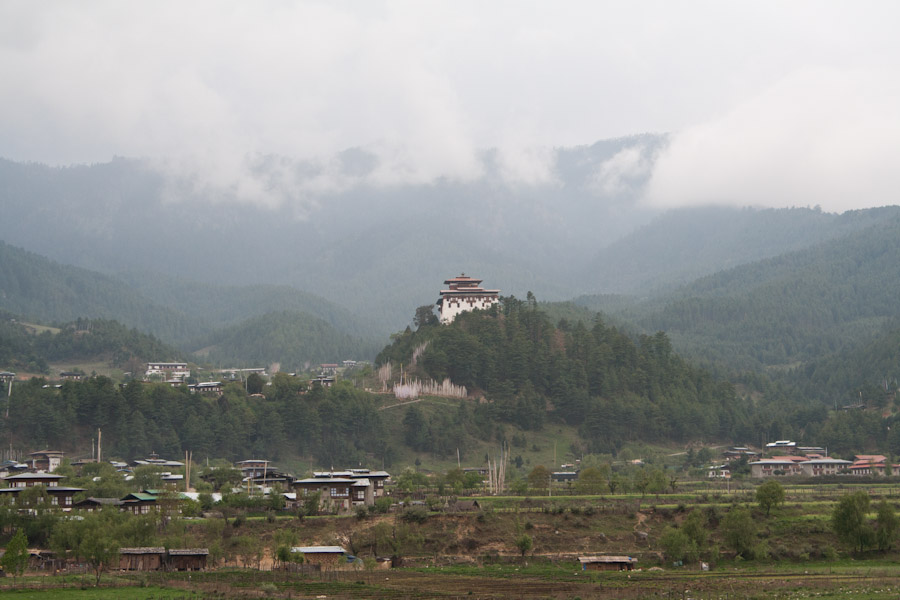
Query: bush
(415, 514)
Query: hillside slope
(785, 310)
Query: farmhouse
(45, 460)
(331, 556)
(464, 294)
(59, 496)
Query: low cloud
(818, 137)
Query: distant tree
(887, 524)
(425, 316)
(848, 519)
(539, 478)
(524, 543)
(769, 495)
(739, 531)
(658, 482)
(591, 480)
(255, 383)
(15, 559)
(676, 544)
(640, 480)
(695, 527)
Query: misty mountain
(786, 310)
(378, 249)
(39, 289)
(683, 245)
(190, 315)
(228, 305)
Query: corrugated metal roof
(319, 549)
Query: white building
(172, 371)
(464, 294)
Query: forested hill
(786, 310)
(296, 340)
(613, 387)
(23, 349)
(37, 288)
(237, 321)
(684, 244)
(223, 305)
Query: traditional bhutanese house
(206, 387)
(71, 375)
(334, 492)
(11, 467)
(870, 464)
(59, 496)
(323, 381)
(378, 478)
(782, 446)
(187, 559)
(736, 452)
(607, 563)
(139, 503)
(94, 504)
(817, 467)
(564, 476)
(253, 467)
(330, 556)
(45, 460)
(142, 559)
(780, 465)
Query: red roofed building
(464, 294)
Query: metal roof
(319, 549)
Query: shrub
(415, 514)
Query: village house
(736, 452)
(779, 465)
(59, 496)
(870, 464)
(782, 446)
(170, 371)
(252, 467)
(71, 376)
(341, 491)
(326, 556)
(323, 381)
(206, 387)
(334, 492)
(96, 504)
(7, 377)
(797, 465)
(45, 461)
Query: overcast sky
(769, 103)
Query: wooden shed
(607, 563)
(187, 559)
(141, 559)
